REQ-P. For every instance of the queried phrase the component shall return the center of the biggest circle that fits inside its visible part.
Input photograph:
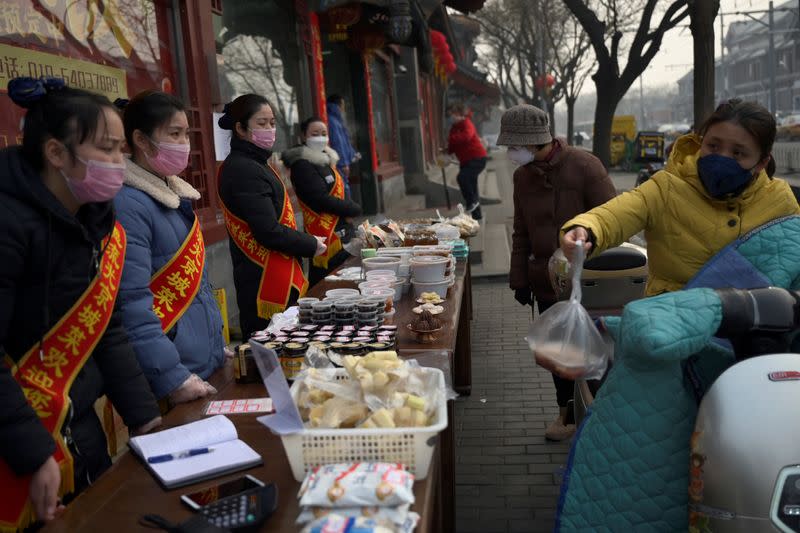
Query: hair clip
(26, 91)
(53, 84)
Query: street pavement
(505, 470)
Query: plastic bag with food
(325, 379)
(564, 339)
(394, 516)
(357, 485)
(464, 222)
(316, 357)
(340, 523)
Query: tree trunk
(604, 116)
(551, 112)
(571, 120)
(703, 13)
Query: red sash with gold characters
(324, 225)
(46, 373)
(176, 284)
(284, 271)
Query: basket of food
(377, 408)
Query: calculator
(244, 510)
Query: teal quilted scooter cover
(628, 467)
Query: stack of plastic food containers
(430, 274)
(460, 249)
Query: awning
(465, 6)
(466, 79)
(427, 6)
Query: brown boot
(557, 430)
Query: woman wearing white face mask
(167, 304)
(553, 183)
(320, 190)
(264, 242)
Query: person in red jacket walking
(465, 144)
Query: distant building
(745, 73)
(746, 70)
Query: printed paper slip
(252, 405)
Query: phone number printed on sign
(15, 62)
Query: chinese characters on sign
(15, 62)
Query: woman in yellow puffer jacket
(715, 188)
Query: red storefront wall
(118, 49)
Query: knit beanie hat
(524, 125)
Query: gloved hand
(523, 296)
(194, 387)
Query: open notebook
(217, 433)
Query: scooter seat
(616, 259)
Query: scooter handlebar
(769, 310)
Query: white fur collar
(168, 193)
(327, 157)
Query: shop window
(383, 109)
(116, 48)
(258, 52)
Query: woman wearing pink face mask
(167, 304)
(61, 255)
(264, 242)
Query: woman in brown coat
(553, 183)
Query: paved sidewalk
(504, 466)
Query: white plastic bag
(564, 339)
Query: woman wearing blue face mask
(168, 308)
(61, 255)
(716, 187)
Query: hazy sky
(675, 56)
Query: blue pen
(180, 455)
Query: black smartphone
(203, 497)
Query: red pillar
(370, 118)
(317, 71)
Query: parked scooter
(744, 473)
(647, 171)
(608, 282)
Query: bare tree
(525, 40)
(518, 53)
(611, 81)
(572, 62)
(494, 62)
(254, 65)
(702, 14)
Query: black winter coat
(252, 192)
(48, 257)
(313, 180)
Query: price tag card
(252, 405)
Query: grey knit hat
(524, 125)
